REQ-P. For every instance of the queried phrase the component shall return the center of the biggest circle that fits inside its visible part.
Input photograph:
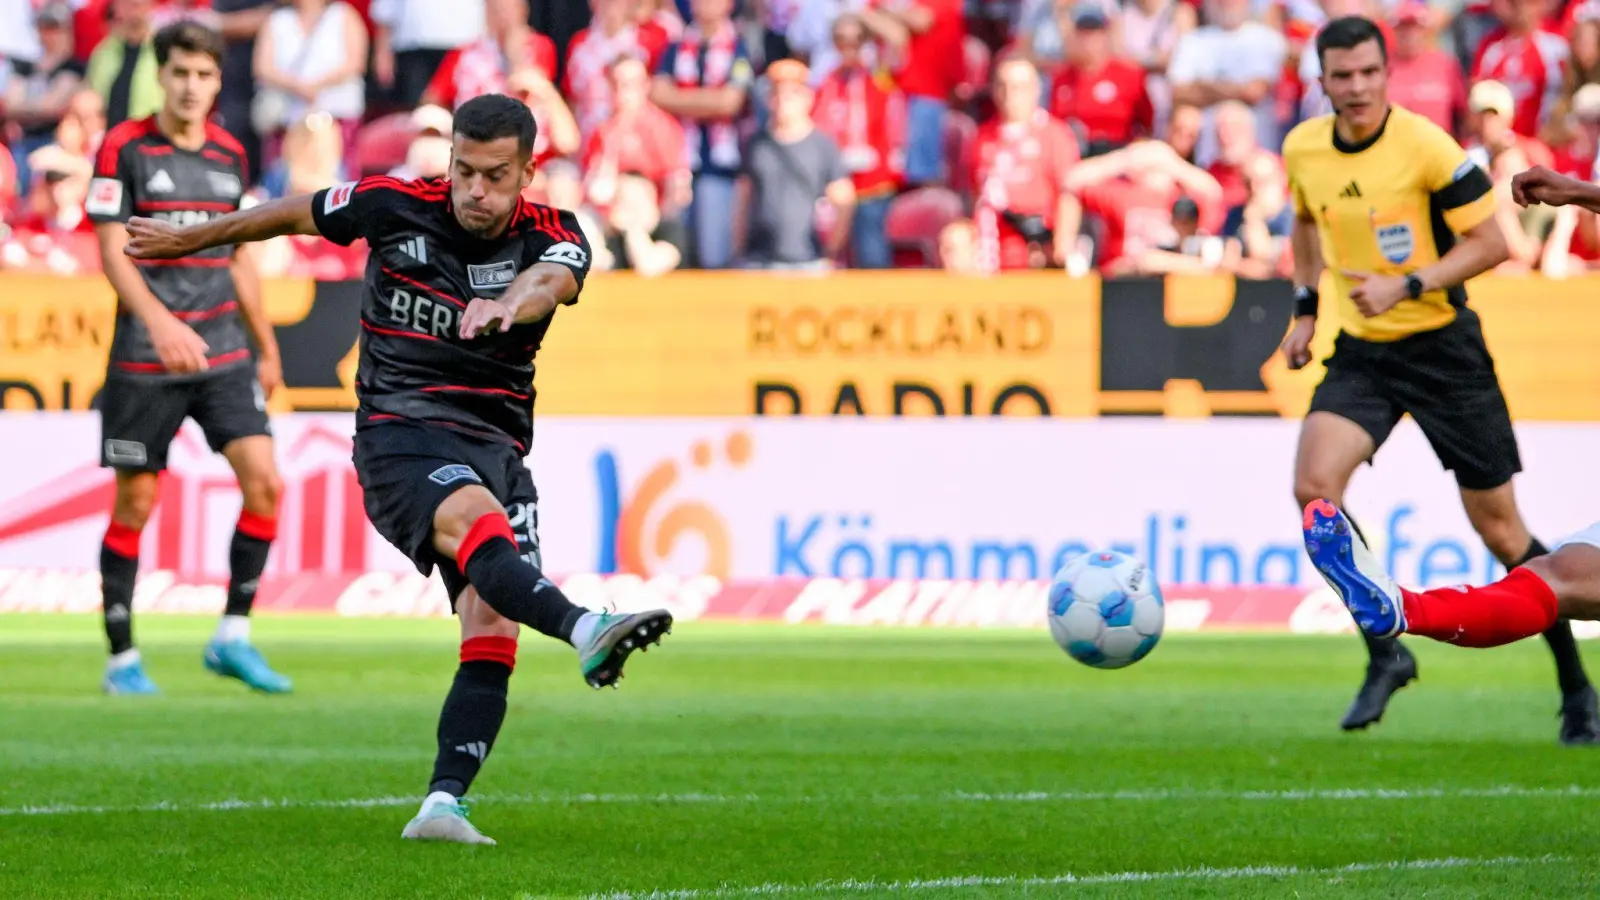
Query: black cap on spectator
(1089, 16)
(55, 12)
(1185, 210)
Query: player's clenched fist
(182, 351)
(155, 239)
(484, 315)
(1541, 185)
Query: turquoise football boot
(238, 659)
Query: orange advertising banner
(876, 344)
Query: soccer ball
(1105, 610)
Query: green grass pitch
(754, 761)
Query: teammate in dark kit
(182, 350)
(462, 283)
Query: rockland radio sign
(859, 344)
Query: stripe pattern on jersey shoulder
(432, 190)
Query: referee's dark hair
(495, 116)
(1347, 33)
(190, 37)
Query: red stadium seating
(382, 143)
(914, 222)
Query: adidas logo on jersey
(416, 248)
(160, 183)
(1351, 190)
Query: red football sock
(1517, 606)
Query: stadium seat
(913, 224)
(381, 144)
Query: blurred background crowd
(1124, 136)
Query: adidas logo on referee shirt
(416, 248)
(1351, 190)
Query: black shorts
(139, 417)
(407, 469)
(1445, 380)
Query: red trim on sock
(122, 540)
(262, 528)
(490, 648)
(487, 528)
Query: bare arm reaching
(155, 239)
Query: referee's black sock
(119, 567)
(1569, 665)
(1379, 649)
(512, 586)
(473, 712)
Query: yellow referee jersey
(1389, 205)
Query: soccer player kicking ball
(1404, 218)
(180, 350)
(1533, 596)
(463, 279)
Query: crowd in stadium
(1132, 137)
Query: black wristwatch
(1413, 286)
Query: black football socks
(473, 712)
(1569, 665)
(119, 567)
(512, 586)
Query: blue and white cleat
(238, 659)
(128, 678)
(444, 818)
(1354, 573)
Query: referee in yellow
(1392, 203)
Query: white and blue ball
(1106, 610)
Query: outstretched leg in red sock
(1520, 605)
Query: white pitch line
(858, 886)
(1149, 796)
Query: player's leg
(1494, 515)
(1562, 584)
(472, 529)
(470, 720)
(1451, 389)
(232, 412)
(119, 569)
(1351, 416)
(137, 422)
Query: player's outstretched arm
(1541, 185)
(155, 239)
(533, 295)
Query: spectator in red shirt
(1237, 153)
(640, 137)
(1101, 96)
(483, 66)
(1577, 135)
(1026, 214)
(60, 185)
(556, 133)
(1527, 57)
(928, 38)
(1132, 192)
(1422, 77)
(1183, 130)
(611, 36)
(865, 115)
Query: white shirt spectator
(19, 38)
(1251, 52)
(430, 24)
(324, 52)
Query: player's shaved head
(492, 117)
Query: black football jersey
(139, 172)
(423, 270)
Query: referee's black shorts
(1445, 380)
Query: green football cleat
(615, 637)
